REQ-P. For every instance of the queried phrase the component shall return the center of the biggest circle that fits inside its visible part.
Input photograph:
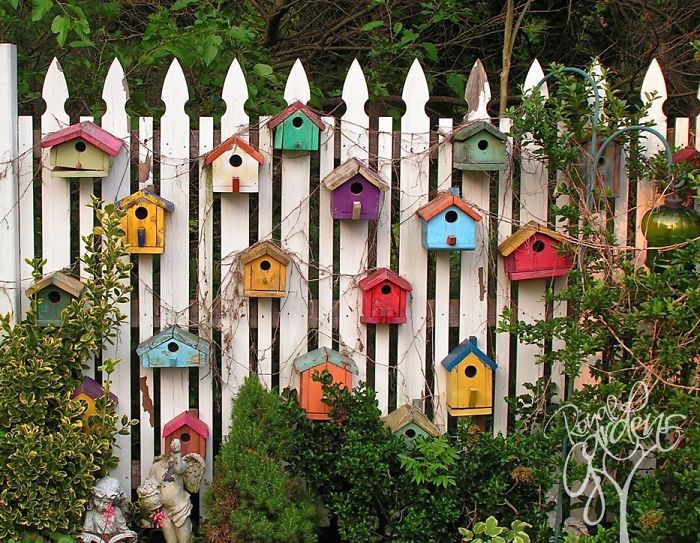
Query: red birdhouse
(384, 298)
(533, 253)
(191, 432)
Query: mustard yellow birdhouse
(87, 392)
(469, 381)
(264, 271)
(144, 222)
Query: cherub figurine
(165, 493)
(104, 520)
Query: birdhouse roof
(174, 333)
(464, 349)
(442, 201)
(93, 389)
(473, 128)
(186, 418)
(234, 142)
(88, 131)
(291, 110)
(263, 248)
(60, 280)
(323, 355)
(524, 234)
(145, 195)
(384, 274)
(406, 414)
(688, 154)
(349, 169)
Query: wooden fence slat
(682, 132)
(325, 239)
(25, 147)
(86, 216)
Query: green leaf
(210, 54)
(368, 27)
(181, 4)
(60, 26)
(491, 527)
(430, 51)
(397, 27)
(263, 70)
(40, 8)
(14, 3)
(456, 83)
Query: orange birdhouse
(144, 222)
(191, 432)
(341, 369)
(264, 271)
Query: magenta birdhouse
(356, 190)
(534, 252)
(191, 432)
(384, 297)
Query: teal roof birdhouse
(479, 146)
(410, 423)
(449, 223)
(54, 293)
(297, 128)
(174, 348)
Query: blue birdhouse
(174, 348)
(449, 224)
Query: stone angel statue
(104, 520)
(166, 492)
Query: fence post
(9, 209)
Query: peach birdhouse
(264, 271)
(234, 165)
(144, 222)
(533, 253)
(191, 432)
(384, 297)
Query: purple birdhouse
(356, 191)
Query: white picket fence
(282, 333)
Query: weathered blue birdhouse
(479, 146)
(174, 348)
(410, 423)
(356, 190)
(297, 128)
(54, 293)
(449, 223)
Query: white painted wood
(622, 202)
(235, 330)
(114, 187)
(503, 299)
(325, 239)
(441, 326)
(25, 148)
(147, 398)
(354, 142)
(415, 127)
(9, 184)
(381, 337)
(86, 222)
(174, 262)
(265, 232)
(55, 193)
(682, 132)
(295, 239)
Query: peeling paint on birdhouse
(81, 150)
(191, 432)
(234, 166)
(340, 367)
(54, 293)
(144, 222)
(264, 271)
(410, 423)
(469, 381)
(174, 348)
(356, 190)
(384, 297)
(88, 392)
(533, 252)
(449, 223)
(479, 146)
(297, 128)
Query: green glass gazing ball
(668, 225)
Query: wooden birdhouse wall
(537, 258)
(297, 133)
(172, 354)
(451, 229)
(144, 225)
(190, 441)
(311, 392)
(356, 189)
(410, 432)
(384, 303)
(469, 388)
(482, 151)
(52, 301)
(80, 155)
(264, 277)
(235, 171)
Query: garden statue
(104, 520)
(165, 494)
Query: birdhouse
(687, 154)
(479, 146)
(144, 222)
(54, 293)
(87, 392)
(81, 150)
(533, 253)
(191, 432)
(356, 190)
(234, 165)
(384, 297)
(340, 367)
(410, 423)
(264, 271)
(469, 381)
(297, 128)
(174, 348)
(449, 223)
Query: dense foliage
(49, 459)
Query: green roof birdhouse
(410, 423)
(479, 146)
(54, 293)
(297, 128)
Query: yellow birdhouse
(144, 222)
(264, 271)
(88, 392)
(470, 380)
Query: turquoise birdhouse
(297, 128)
(410, 423)
(449, 223)
(479, 146)
(174, 348)
(54, 293)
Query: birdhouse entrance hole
(386, 289)
(410, 433)
(451, 216)
(235, 160)
(297, 122)
(265, 265)
(356, 187)
(141, 213)
(173, 347)
(80, 146)
(483, 145)
(470, 371)
(54, 296)
(185, 437)
(538, 246)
